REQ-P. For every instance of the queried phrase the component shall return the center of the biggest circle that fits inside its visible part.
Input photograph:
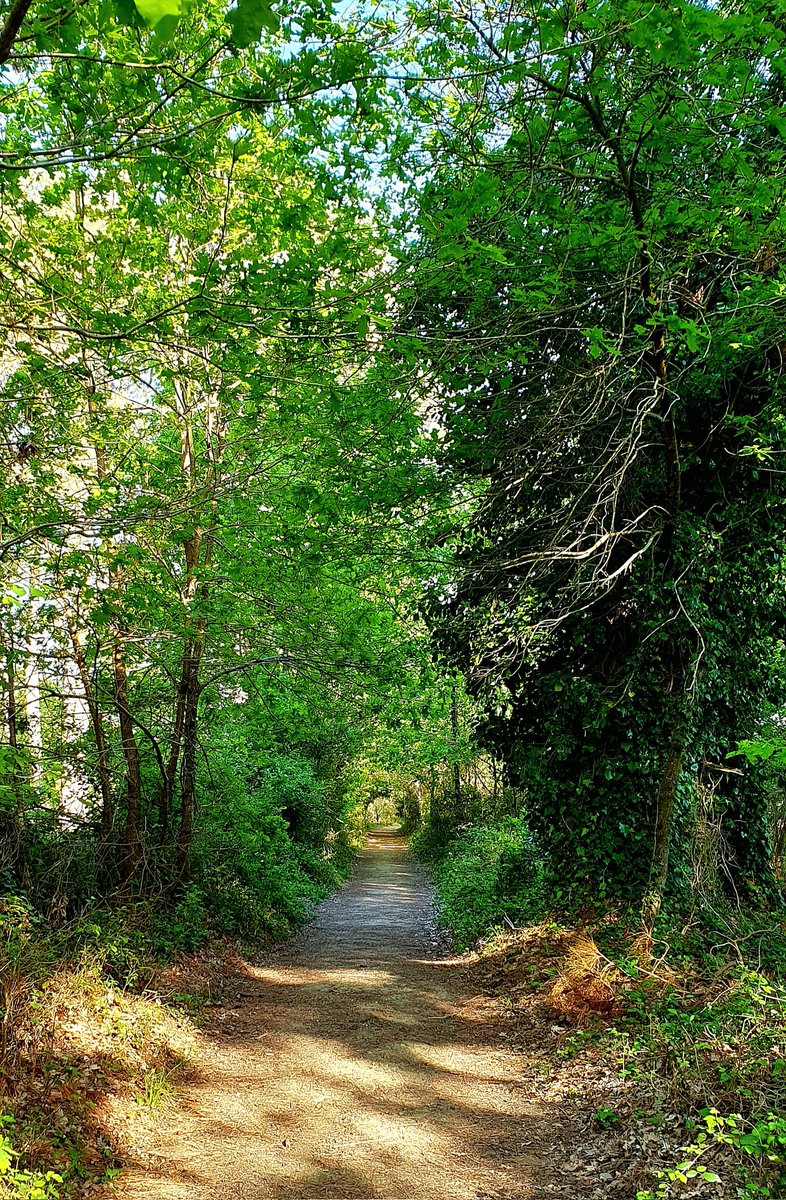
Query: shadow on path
(355, 1065)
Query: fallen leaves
(79, 1050)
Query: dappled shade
(354, 1066)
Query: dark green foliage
(613, 415)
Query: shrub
(486, 874)
(18, 1184)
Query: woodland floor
(358, 1061)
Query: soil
(355, 1065)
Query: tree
(205, 468)
(597, 285)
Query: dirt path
(354, 1065)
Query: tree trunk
(185, 835)
(166, 791)
(664, 819)
(29, 699)
(434, 814)
(132, 846)
(198, 549)
(659, 366)
(456, 769)
(12, 713)
(192, 657)
(106, 826)
(13, 822)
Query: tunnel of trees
(392, 421)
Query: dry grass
(588, 983)
(565, 970)
(79, 1053)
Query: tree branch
(10, 30)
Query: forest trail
(355, 1065)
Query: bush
(18, 1184)
(266, 850)
(484, 875)
(430, 844)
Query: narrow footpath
(355, 1065)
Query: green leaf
(125, 12)
(691, 334)
(347, 63)
(155, 11)
(249, 19)
(165, 28)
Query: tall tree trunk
(132, 845)
(12, 711)
(12, 828)
(185, 835)
(166, 791)
(664, 820)
(187, 714)
(456, 768)
(131, 850)
(106, 826)
(658, 363)
(29, 700)
(198, 549)
(434, 809)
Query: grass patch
(99, 1016)
(77, 1048)
(157, 1090)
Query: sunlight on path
(355, 1066)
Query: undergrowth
(486, 876)
(83, 1032)
(672, 1045)
(676, 1065)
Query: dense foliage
(392, 428)
(209, 478)
(598, 288)
(304, 345)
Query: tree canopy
(392, 415)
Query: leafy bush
(18, 1184)
(430, 844)
(484, 875)
(183, 928)
(266, 853)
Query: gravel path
(354, 1065)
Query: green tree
(207, 470)
(599, 283)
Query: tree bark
(106, 826)
(10, 31)
(166, 791)
(664, 819)
(188, 703)
(198, 549)
(15, 821)
(188, 768)
(659, 366)
(132, 846)
(456, 769)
